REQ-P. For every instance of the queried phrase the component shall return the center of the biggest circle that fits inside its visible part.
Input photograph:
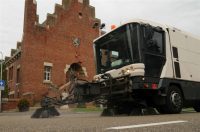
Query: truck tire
(197, 106)
(109, 112)
(161, 110)
(174, 101)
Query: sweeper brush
(45, 112)
(48, 104)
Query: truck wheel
(197, 106)
(109, 112)
(161, 110)
(174, 101)
(136, 112)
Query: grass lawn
(89, 109)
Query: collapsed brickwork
(64, 38)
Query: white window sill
(47, 81)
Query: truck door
(154, 50)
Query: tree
(4, 77)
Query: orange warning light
(113, 27)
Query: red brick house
(47, 50)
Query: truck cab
(131, 44)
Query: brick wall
(52, 42)
(11, 104)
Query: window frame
(105, 39)
(10, 73)
(158, 30)
(47, 73)
(18, 79)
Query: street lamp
(1, 75)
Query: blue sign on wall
(2, 84)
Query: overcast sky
(183, 14)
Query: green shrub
(23, 105)
(81, 105)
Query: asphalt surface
(92, 122)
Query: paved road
(93, 122)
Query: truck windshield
(114, 50)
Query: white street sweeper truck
(144, 64)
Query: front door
(154, 51)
